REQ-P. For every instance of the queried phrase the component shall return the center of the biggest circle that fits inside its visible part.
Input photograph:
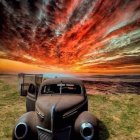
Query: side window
(32, 89)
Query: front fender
(86, 126)
(25, 128)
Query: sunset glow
(74, 36)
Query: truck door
(29, 85)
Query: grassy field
(119, 115)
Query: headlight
(87, 131)
(21, 131)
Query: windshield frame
(60, 89)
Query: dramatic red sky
(76, 36)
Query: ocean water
(114, 84)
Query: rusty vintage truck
(57, 109)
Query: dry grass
(11, 106)
(119, 114)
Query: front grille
(44, 134)
(63, 134)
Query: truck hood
(61, 103)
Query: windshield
(61, 89)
